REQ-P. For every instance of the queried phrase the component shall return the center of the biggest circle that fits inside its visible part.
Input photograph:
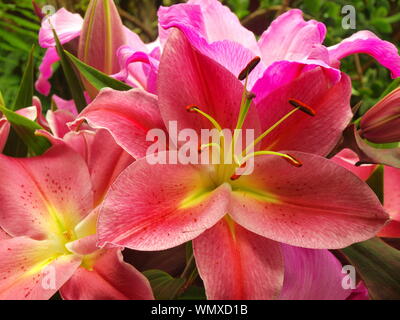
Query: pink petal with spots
(127, 115)
(33, 270)
(104, 157)
(189, 77)
(45, 194)
(156, 206)
(320, 205)
(318, 134)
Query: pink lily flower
(240, 225)
(289, 38)
(48, 218)
(381, 123)
(98, 46)
(391, 188)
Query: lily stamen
(194, 108)
(298, 106)
(249, 68)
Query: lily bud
(102, 34)
(381, 124)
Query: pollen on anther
(303, 107)
(191, 108)
(293, 161)
(249, 68)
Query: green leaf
(25, 91)
(164, 286)
(193, 293)
(73, 80)
(375, 181)
(25, 129)
(96, 78)
(379, 265)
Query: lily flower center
(226, 169)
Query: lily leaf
(379, 265)
(25, 129)
(25, 91)
(164, 286)
(96, 78)
(73, 80)
(375, 181)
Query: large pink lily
(391, 188)
(238, 224)
(48, 216)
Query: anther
(303, 107)
(249, 68)
(293, 161)
(192, 108)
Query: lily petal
(328, 208)
(317, 135)
(384, 52)
(235, 263)
(44, 194)
(391, 202)
(348, 159)
(282, 73)
(312, 275)
(189, 77)
(156, 207)
(67, 25)
(127, 115)
(4, 131)
(211, 19)
(66, 105)
(110, 278)
(104, 157)
(289, 37)
(27, 267)
(42, 84)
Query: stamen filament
(193, 108)
(208, 145)
(292, 160)
(268, 131)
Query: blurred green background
(19, 29)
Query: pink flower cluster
(266, 235)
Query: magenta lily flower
(391, 187)
(288, 38)
(381, 123)
(240, 225)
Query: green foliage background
(19, 28)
